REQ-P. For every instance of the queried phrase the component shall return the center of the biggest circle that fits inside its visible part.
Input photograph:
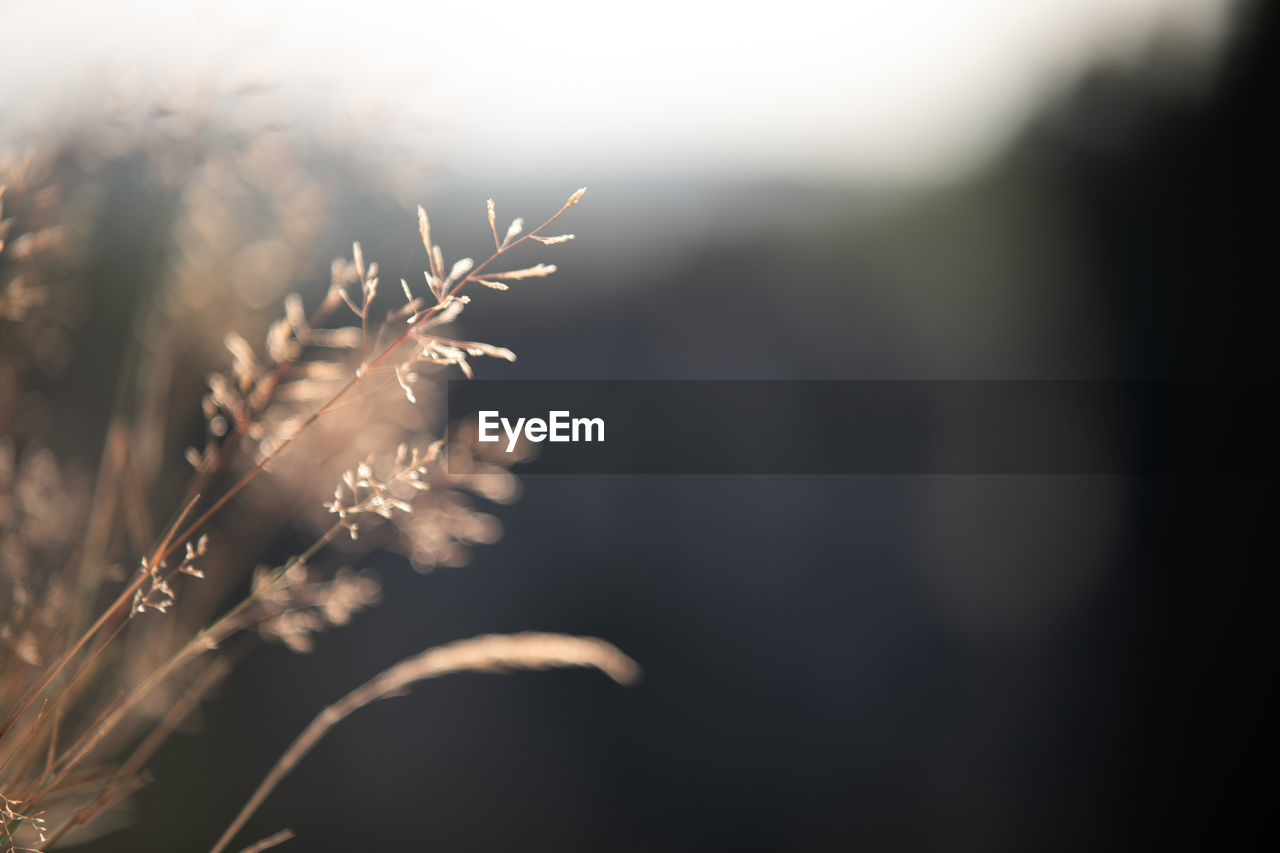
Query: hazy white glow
(879, 88)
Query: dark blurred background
(832, 663)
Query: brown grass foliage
(115, 570)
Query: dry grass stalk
(489, 653)
(273, 840)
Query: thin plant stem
(206, 640)
(489, 653)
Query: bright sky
(881, 89)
